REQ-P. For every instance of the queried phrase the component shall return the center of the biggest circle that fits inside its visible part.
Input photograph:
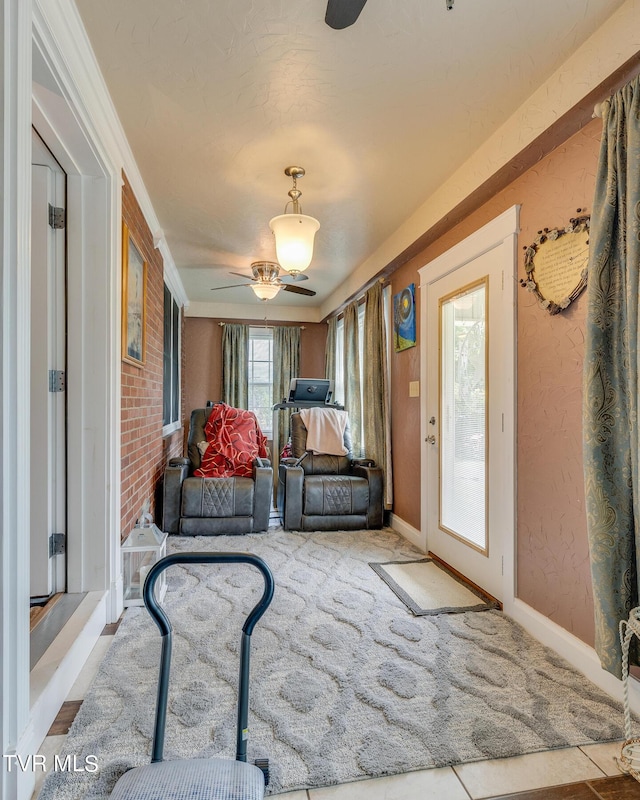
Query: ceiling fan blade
(232, 286)
(342, 13)
(298, 276)
(298, 289)
(241, 275)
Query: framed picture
(404, 318)
(134, 300)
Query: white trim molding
(15, 284)
(74, 132)
(487, 238)
(84, 78)
(574, 650)
(410, 533)
(254, 311)
(68, 101)
(54, 675)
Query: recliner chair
(208, 506)
(320, 492)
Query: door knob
(431, 439)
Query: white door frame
(499, 235)
(503, 231)
(15, 173)
(61, 108)
(48, 417)
(65, 120)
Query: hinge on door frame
(57, 217)
(57, 380)
(57, 544)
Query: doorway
(468, 342)
(68, 106)
(48, 470)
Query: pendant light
(294, 232)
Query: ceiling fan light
(294, 235)
(265, 291)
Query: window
(463, 412)
(338, 391)
(171, 364)
(261, 377)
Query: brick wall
(144, 451)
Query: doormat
(426, 587)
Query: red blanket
(235, 439)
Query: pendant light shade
(294, 232)
(265, 291)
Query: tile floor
(576, 773)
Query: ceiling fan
(268, 278)
(343, 13)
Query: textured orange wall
(203, 355)
(552, 552)
(144, 452)
(203, 362)
(405, 414)
(553, 570)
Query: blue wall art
(404, 318)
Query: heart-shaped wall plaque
(556, 264)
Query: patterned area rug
(345, 683)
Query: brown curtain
(352, 385)
(235, 365)
(330, 350)
(286, 365)
(375, 395)
(612, 376)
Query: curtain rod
(256, 325)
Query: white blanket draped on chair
(325, 430)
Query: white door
(48, 406)
(468, 442)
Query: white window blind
(261, 377)
(463, 415)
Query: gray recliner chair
(325, 492)
(210, 506)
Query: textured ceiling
(216, 97)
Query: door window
(463, 415)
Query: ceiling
(217, 97)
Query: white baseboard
(575, 651)
(410, 533)
(55, 673)
(580, 655)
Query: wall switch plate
(414, 388)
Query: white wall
(14, 381)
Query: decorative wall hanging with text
(556, 264)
